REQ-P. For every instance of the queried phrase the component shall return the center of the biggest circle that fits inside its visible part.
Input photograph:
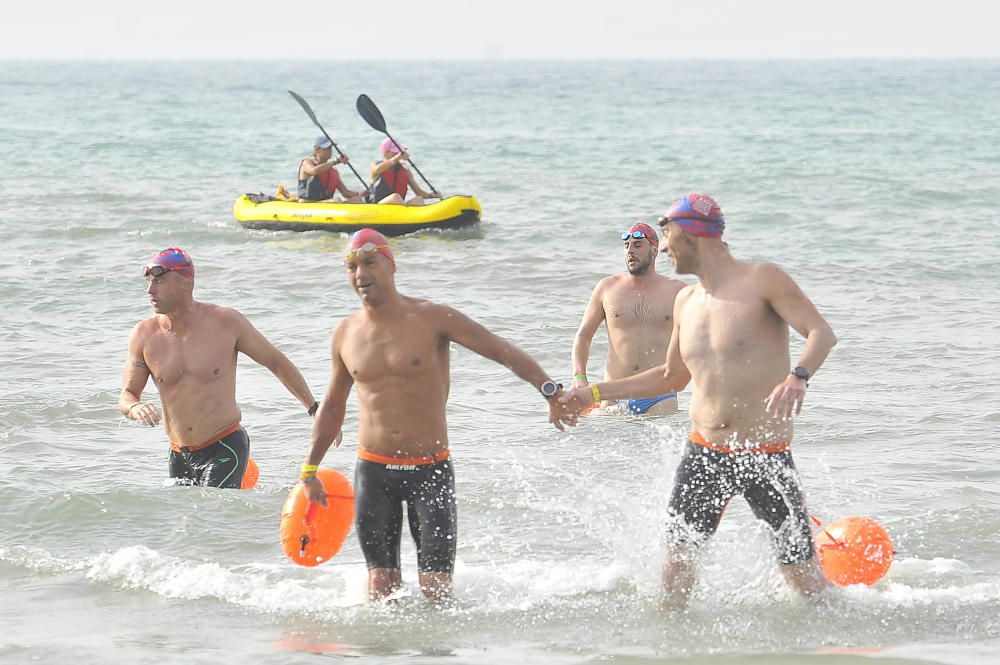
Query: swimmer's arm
(593, 316)
(134, 377)
(327, 427)
(795, 308)
(672, 376)
(792, 305)
(251, 342)
(462, 330)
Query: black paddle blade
(370, 112)
(305, 107)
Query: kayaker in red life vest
(390, 179)
(318, 176)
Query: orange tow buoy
(854, 550)
(596, 406)
(310, 533)
(250, 476)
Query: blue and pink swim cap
(173, 259)
(697, 214)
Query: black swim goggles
(158, 271)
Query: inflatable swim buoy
(250, 476)
(854, 550)
(310, 533)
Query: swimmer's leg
(702, 489)
(225, 462)
(776, 497)
(433, 517)
(378, 521)
(679, 577)
(806, 577)
(383, 582)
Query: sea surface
(875, 184)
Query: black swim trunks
(706, 481)
(221, 464)
(428, 490)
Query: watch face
(548, 389)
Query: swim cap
(322, 142)
(697, 214)
(369, 240)
(390, 146)
(645, 229)
(173, 259)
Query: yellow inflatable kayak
(255, 211)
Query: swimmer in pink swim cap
(189, 349)
(730, 341)
(395, 351)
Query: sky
(498, 29)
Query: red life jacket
(331, 180)
(393, 179)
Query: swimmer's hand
(315, 491)
(559, 414)
(145, 414)
(786, 397)
(577, 398)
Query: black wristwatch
(801, 373)
(549, 389)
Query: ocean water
(875, 184)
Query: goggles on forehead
(366, 248)
(634, 234)
(159, 271)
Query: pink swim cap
(390, 146)
(172, 259)
(646, 230)
(369, 240)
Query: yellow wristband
(310, 468)
(307, 475)
(596, 392)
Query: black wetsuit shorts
(706, 481)
(221, 464)
(428, 490)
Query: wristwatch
(801, 373)
(549, 389)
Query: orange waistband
(422, 460)
(696, 437)
(218, 436)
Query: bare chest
(627, 309)
(202, 358)
(397, 351)
(727, 328)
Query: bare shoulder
(671, 283)
(609, 284)
(430, 310)
(145, 329)
(769, 276)
(685, 293)
(219, 315)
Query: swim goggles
(366, 248)
(638, 235)
(158, 271)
